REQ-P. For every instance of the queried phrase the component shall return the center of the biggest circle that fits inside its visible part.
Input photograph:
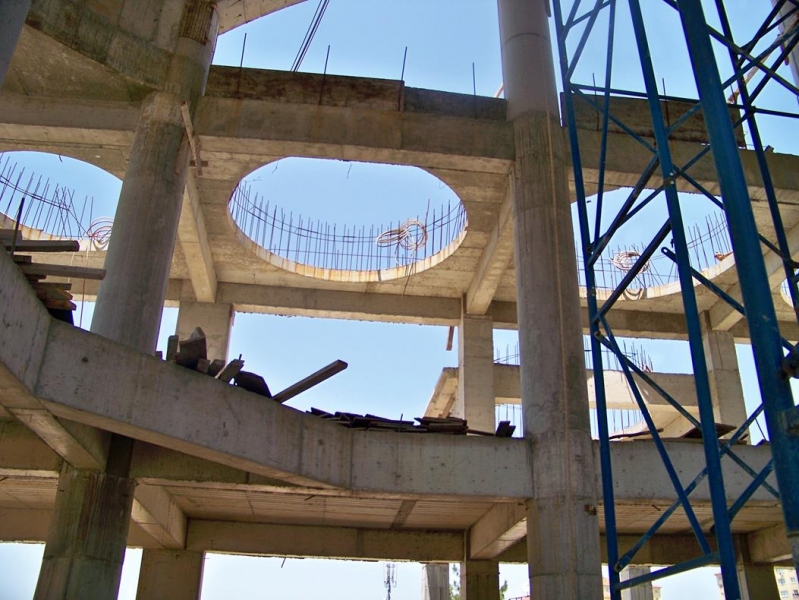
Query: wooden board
(41, 245)
(42, 269)
(310, 381)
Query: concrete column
(435, 582)
(86, 544)
(476, 399)
(726, 391)
(86, 541)
(215, 320)
(131, 297)
(757, 582)
(12, 18)
(562, 528)
(639, 592)
(480, 580)
(170, 575)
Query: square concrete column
(86, 541)
(170, 575)
(215, 320)
(726, 391)
(435, 582)
(639, 592)
(476, 400)
(480, 580)
(758, 582)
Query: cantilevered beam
(498, 530)
(493, 262)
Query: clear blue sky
(393, 368)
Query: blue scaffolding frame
(776, 359)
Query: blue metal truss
(755, 65)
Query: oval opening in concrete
(347, 221)
(708, 245)
(57, 197)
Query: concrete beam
(25, 334)
(722, 316)
(29, 525)
(443, 398)
(23, 454)
(106, 385)
(233, 13)
(156, 512)
(769, 545)
(24, 524)
(109, 386)
(493, 262)
(325, 542)
(625, 163)
(496, 531)
(193, 238)
(659, 550)
(507, 388)
(426, 310)
(134, 42)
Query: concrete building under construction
(180, 463)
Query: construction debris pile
(55, 295)
(192, 353)
(448, 425)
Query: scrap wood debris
(447, 425)
(55, 296)
(192, 353)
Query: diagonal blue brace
(756, 292)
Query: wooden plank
(230, 370)
(45, 285)
(215, 367)
(41, 245)
(59, 304)
(172, 347)
(53, 293)
(314, 379)
(37, 269)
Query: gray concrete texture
(104, 81)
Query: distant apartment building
(787, 583)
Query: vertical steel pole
(608, 499)
(709, 439)
(761, 317)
